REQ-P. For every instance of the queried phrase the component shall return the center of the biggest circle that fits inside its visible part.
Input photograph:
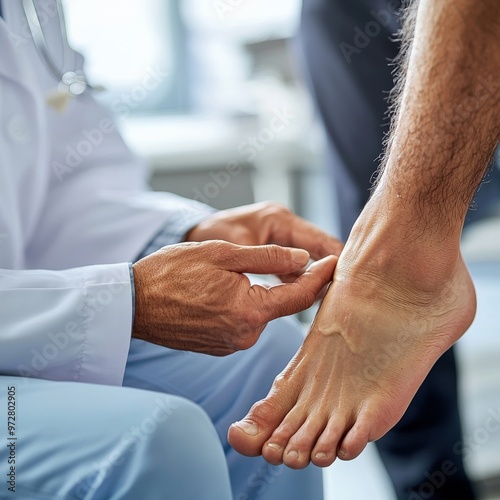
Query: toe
(325, 451)
(249, 435)
(354, 442)
(274, 448)
(297, 454)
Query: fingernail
(274, 446)
(314, 264)
(247, 427)
(318, 263)
(300, 257)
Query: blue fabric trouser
(161, 437)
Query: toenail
(274, 446)
(342, 453)
(247, 427)
(320, 455)
(293, 454)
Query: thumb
(266, 259)
(291, 298)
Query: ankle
(382, 248)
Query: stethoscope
(72, 83)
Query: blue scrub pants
(162, 436)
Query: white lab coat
(58, 319)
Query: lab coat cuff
(132, 289)
(108, 311)
(176, 228)
(192, 221)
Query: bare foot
(368, 351)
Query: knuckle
(280, 382)
(245, 343)
(252, 319)
(309, 297)
(278, 208)
(275, 253)
(264, 410)
(273, 209)
(304, 299)
(248, 330)
(219, 250)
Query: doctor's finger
(292, 298)
(299, 233)
(265, 259)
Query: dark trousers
(346, 50)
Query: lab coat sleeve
(72, 325)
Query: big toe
(249, 435)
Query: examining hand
(192, 296)
(266, 223)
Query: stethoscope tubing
(74, 81)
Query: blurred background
(210, 92)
